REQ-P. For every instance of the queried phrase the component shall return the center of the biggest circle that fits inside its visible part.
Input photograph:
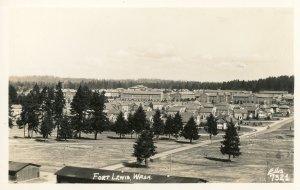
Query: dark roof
(284, 107)
(240, 111)
(143, 92)
(241, 95)
(252, 108)
(273, 92)
(17, 166)
(224, 108)
(88, 173)
(186, 116)
(205, 110)
(175, 108)
(248, 105)
(264, 95)
(193, 106)
(207, 105)
(222, 104)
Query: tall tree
(140, 120)
(121, 126)
(30, 114)
(10, 114)
(151, 105)
(97, 119)
(190, 130)
(130, 124)
(47, 125)
(144, 147)
(66, 130)
(59, 104)
(169, 126)
(178, 124)
(79, 106)
(212, 128)
(230, 144)
(13, 95)
(158, 124)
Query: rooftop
(87, 173)
(142, 92)
(17, 166)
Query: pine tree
(169, 126)
(120, 126)
(66, 130)
(140, 120)
(30, 114)
(130, 124)
(144, 147)
(151, 105)
(79, 107)
(13, 95)
(212, 128)
(47, 125)
(178, 125)
(59, 104)
(10, 115)
(230, 144)
(97, 120)
(190, 130)
(158, 124)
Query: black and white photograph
(149, 94)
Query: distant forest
(281, 83)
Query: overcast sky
(201, 44)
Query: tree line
(44, 110)
(281, 83)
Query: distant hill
(282, 83)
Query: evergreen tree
(30, 114)
(158, 124)
(178, 125)
(212, 128)
(130, 124)
(169, 126)
(140, 120)
(97, 120)
(13, 95)
(59, 104)
(190, 130)
(47, 125)
(10, 115)
(144, 147)
(151, 105)
(79, 107)
(66, 130)
(120, 126)
(230, 144)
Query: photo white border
(6, 5)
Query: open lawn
(259, 154)
(271, 148)
(86, 152)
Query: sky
(199, 44)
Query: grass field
(53, 155)
(259, 154)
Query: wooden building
(19, 171)
(70, 174)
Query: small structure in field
(19, 171)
